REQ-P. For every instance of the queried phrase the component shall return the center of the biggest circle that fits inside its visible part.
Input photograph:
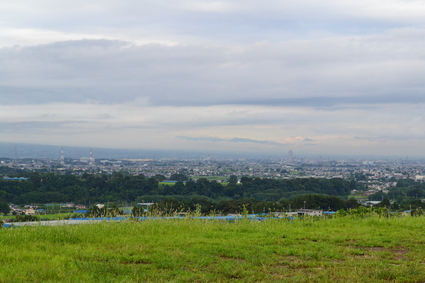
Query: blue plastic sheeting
(9, 225)
(102, 218)
(86, 219)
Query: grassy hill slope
(190, 250)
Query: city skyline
(237, 76)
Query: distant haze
(8, 150)
(256, 77)
(12, 150)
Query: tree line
(91, 188)
(406, 195)
(204, 205)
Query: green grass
(212, 178)
(358, 196)
(191, 250)
(166, 184)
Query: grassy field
(358, 196)
(192, 250)
(212, 178)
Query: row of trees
(48, 187)
(407, 194)
(205, 205)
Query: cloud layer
(315, 77)
(238, 140)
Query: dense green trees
(179, 177)
(352, 203)
(119, 187)
(233, 179)
(48, 187)
(4, 207)
(251, 205)
(407, 194)
(319, 202)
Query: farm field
(212, 178)
(358, 197)
(346, 249)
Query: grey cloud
(362, 138)
(241, 20)
(334, 68)
(236, 140)
(384, 138)
(104, 71)
(35, 126)
(105, 116)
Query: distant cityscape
(376, 175)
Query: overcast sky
(316, 77)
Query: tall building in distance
(62, 158)
(290, 155)
(91, 160)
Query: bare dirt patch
(136, 262)
(399, 252)
(240, 260)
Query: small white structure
(370, 202)
(30, 211)
(310, 212)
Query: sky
(314, 77)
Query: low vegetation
(361, 247)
